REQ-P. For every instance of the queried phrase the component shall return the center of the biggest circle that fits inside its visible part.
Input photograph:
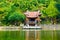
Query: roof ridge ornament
(27, 11)
(38, 11)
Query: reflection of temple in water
(32, 35)
(32, 23)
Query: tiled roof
(32, 14)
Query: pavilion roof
(32, 14)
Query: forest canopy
(13, 10)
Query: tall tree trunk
(55, 20)
(52, 21)
(47, 19)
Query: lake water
(30, 35)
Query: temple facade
(32, 18)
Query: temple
(32, 18)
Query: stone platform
(31, 28)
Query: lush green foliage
(13, 10)
(14, 18)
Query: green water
(21, 35)
(12, 35)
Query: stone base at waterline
(31, 28)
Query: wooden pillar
(27, 20)
(38, 20)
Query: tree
(15, 18)
(52, 11)
(8, 8)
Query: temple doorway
(32, 22)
